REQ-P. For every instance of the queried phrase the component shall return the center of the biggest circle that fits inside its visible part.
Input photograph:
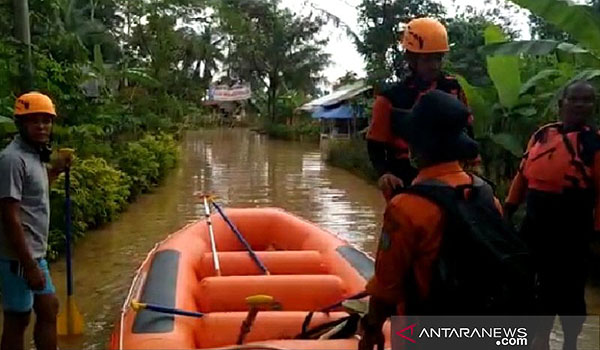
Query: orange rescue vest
(554, 161)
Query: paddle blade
(70, 321)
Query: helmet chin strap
(44, 150)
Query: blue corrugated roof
(344, 111)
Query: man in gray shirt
(25, 212)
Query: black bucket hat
(436, 128)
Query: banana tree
(573, 61)
(505, 113)
(580, 21)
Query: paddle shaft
(213, 244)
(247, 325)
(241, 238)
(168, 310)
(68, 231)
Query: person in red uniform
(413, 226)
(426, 42)
(559, 179)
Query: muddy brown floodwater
(244, 169)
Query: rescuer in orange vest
(426, 42)
(559, 179)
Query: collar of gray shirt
(24, 145)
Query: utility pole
(23, 35)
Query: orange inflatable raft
(309, 269)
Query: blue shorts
(16, 294)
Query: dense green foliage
(99, 193)
(129, 76)
(101, 188)
(275, 50)
(117, 108)
(146, 161)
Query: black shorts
(557, 229)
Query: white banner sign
(226, 93)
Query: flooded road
(243, 169)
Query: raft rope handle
(327, 309)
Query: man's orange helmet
(425, 35)
(34, 103)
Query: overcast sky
(343, 52)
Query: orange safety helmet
(34, 103)
(425, 35)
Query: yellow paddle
(70, 321)
(256, 303)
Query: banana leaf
(581, 21)
(7, 126)
(503, 70)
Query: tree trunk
(272, 94)
(273, 86)
(23, 35)
(128, 31)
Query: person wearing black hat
(413, 227)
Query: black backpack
(484, 267)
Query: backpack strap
(578, 165)
(542, 133)
(484, 190)
(446, 195)
(437, 191)
(540, 136)
(590, 144)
